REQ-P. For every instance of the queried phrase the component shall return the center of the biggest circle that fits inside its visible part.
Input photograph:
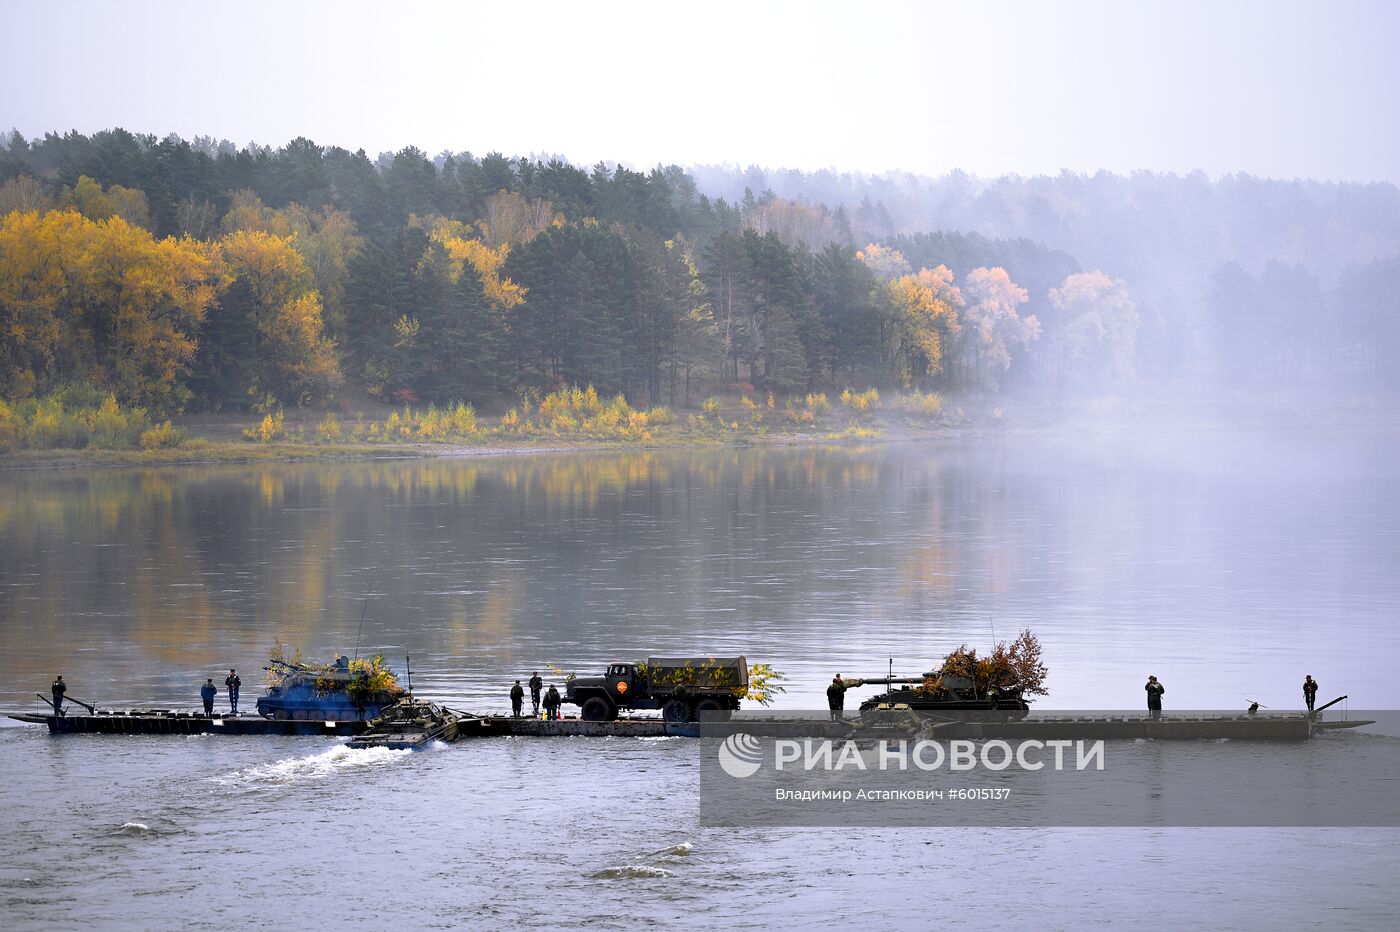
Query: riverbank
(586, 423)
(201, 451)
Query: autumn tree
(292, 358)
(23, 193)
(102, 301)
(991, 326)
(89, 199)
(928, 304)
(886, 262)
(1095, 327)
(508, 219)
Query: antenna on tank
(408, 665)
(362, 627)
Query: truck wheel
(598, 709)
(676, 710)
(710, 705)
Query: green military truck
(681, 687)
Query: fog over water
(1228, 565)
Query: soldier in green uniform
(536, 685)
(1154, 696)
(1309, 691)
(517, 699)
(551, 703)
(836, 698)
(58, 689)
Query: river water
(1226, 564)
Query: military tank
(340, 691)
(937, 691)
(964, 682)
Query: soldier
(1154, 696)
(551, 703)
(58, 689)
(207, 692)
(536, 684)
(836, 698)
(232, 681)
(1309, 691)
(517, 699)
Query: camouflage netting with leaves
(763, 681)
(361, 679)
(1011, 666)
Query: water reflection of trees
(466, 555)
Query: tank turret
(963, 681)
(341, 691)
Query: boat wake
(312, 767)
(632, 872)
(133, 828)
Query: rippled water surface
(1228, 566)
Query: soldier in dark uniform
(536, 684)
(517, 699)
(836, 698)
(1309, 691)
(232, 681)
(58, 689)
(1154, 696)
(551, 703)
(207, 692)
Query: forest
(190, 275)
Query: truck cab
(600, 697)
(622, 681)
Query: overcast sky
(1281, 89)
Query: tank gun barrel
(881, 680)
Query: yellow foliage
(329, 428)
(272, 427)
(160, 437)
(884, 261)
(101, 299)
(296, 359)
(929, 304)
(711, 407)
(107, 424)
(861, 402)
(484, 260)
(463, 419)
(817, 403)
(920, 403)
(9, 428)
(88, 198)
